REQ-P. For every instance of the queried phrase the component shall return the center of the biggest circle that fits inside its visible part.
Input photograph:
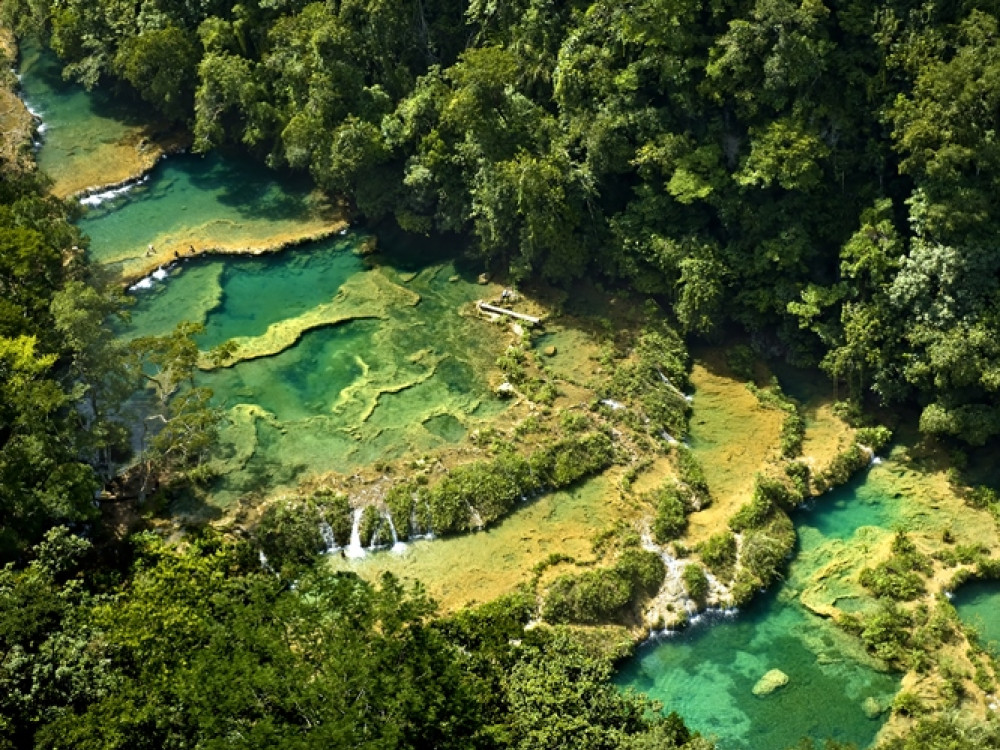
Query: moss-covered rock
(770, 682)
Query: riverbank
(92, 141)
(16, 122)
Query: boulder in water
(872, 707)
(770, 682)
(368, 246)
(549, 351)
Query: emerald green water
(343, 395)
(343, 364)
(978, 604)
(243, 295)
(77, 124)
(204, 201)
(707, 672)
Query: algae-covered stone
(368, 246)
(549, 351)
(505, 390)
(872, 707)
(770, 682)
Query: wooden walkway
(486, 307)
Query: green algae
(733, 437)
(363, 296)
(446, 427)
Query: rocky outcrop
(770, 682)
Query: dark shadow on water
(190, 506)
(123, 105)
(409, 253)
(251, 188)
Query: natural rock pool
(978, 604)
(338, 365)
(342, 360)
(707, 673)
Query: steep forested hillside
(819, 172)
(53, 429)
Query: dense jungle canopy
(819, 173)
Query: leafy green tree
(161, 65)
(179, 429)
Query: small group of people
(150, 250)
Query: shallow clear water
(344, 364)
(201, 202)
(77, 125)
(243, 295)
(839, 514)
(707, 672)
(342, 395)
(978, 604)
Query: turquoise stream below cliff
(707, 672)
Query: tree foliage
(201, 647)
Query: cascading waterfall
(354, 549)
(397, 546)
(414, 523)
(326, 531)
(372, 546)
(102, 196)
(264, 562)
(475, 518)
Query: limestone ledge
(172, 250)
(121, 163)
(365, 296)
(370, 388)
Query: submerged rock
(872, 707)
(549, 351)
(368, 246)
(770, 682)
